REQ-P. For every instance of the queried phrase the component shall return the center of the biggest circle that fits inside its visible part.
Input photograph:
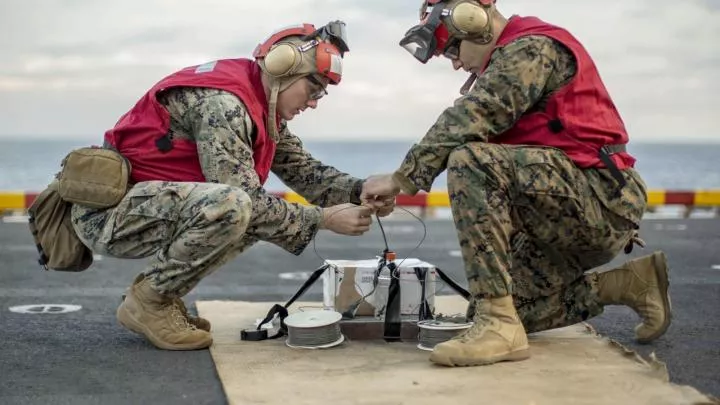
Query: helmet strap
(272, 113)
(465, 89)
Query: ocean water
(30, 164)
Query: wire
(421, 240)
(316, 233)
(382, 230)
(352, 308)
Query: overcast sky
(70, 68)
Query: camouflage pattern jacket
(222, 130)
(519, 79)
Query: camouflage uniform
(192, 228)
(561, 220)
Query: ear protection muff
(470, 19)
(464, 19)
(283, 59)
(309, 51)
(297, 51)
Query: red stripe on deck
(417, 200)
(679, 198)
(30, 198)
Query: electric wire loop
(314, 337)
(394, 274)
(384, 236)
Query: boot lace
(179, 318)
(478, 328)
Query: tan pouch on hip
(94, 177)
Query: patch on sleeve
(207, 67)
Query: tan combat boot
(196, 321)
(497, 335)
(642, 284)
(159, 319)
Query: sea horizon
(30, 163)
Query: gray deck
(85, 357)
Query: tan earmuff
(283, 59)
(472, 20)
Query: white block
(347, 281)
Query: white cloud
(74, 66)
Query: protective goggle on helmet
(444, 23)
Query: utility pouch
(94, 177)
(55, 238)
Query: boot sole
(517, 355)
(128, 321)
(663, 279)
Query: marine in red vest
(142, 134)
(541, 185)
(201, 143)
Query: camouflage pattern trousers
(190, 229)
(529, 225)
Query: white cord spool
(433, 332)
(319, 329)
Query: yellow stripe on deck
(707, 198)
(438, 199)
(568, 366)
(656, 197)
(12, 200)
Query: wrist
(403, 183)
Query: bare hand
(383, 207)
(347, 219)
(379, 191)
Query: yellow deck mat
(571, 366)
